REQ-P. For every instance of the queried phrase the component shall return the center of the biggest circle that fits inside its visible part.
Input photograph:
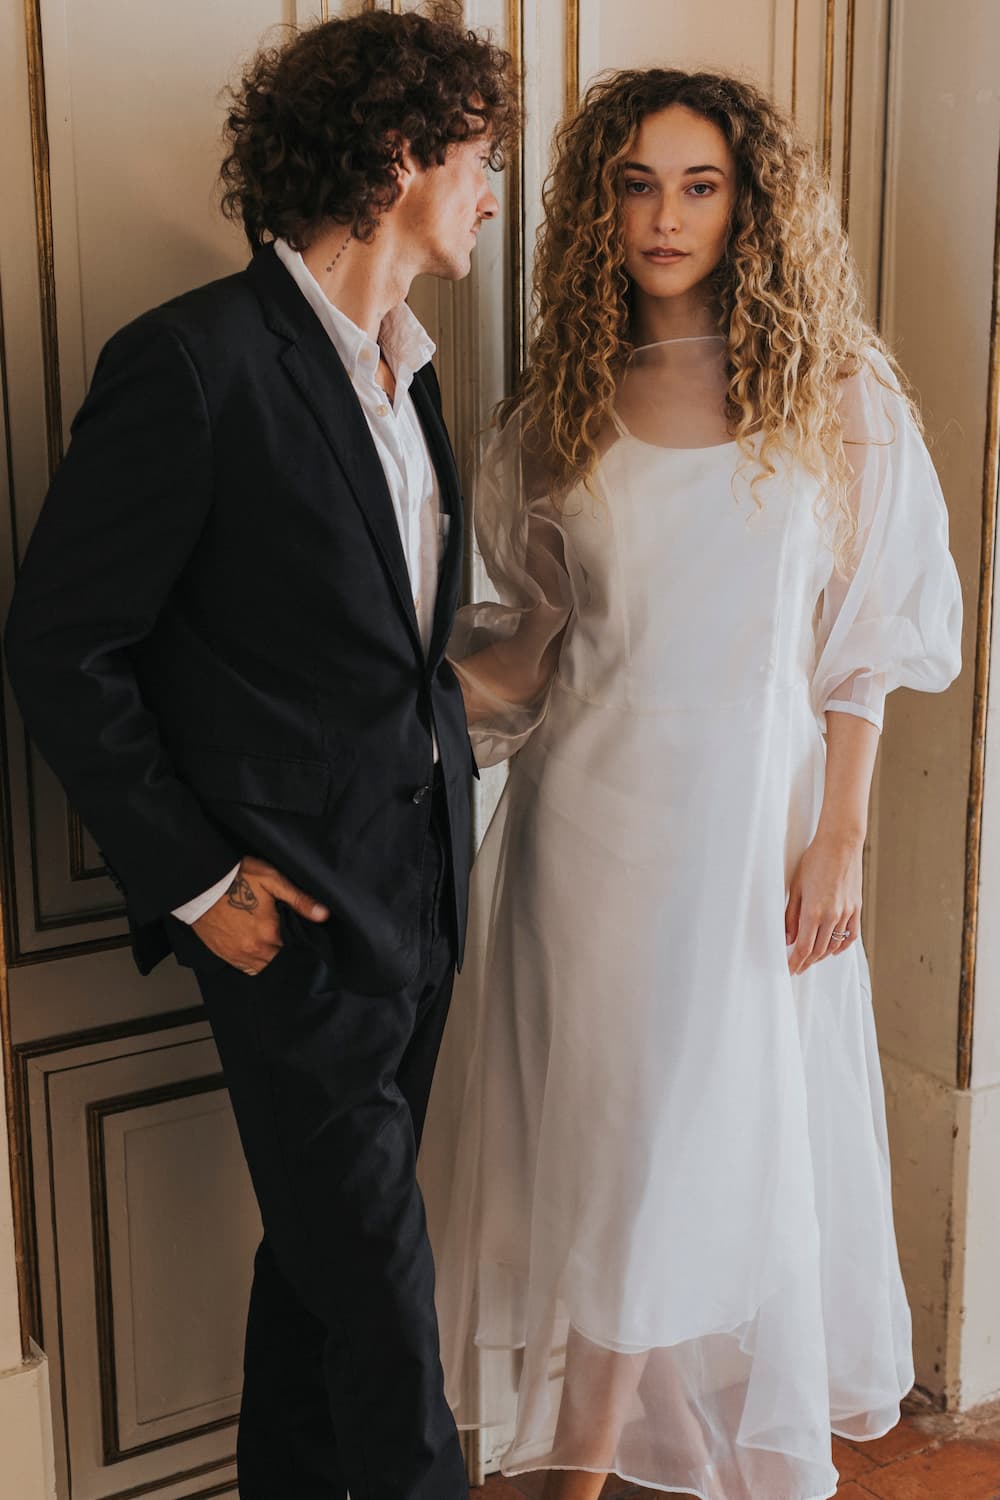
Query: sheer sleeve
(895, 619)
(505, 651)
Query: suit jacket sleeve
(121, 519)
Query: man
(228, 638)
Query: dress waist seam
(799, 685)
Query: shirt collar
(405, 343)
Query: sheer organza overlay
(655, 1164)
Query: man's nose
(488, 207)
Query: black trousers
(343, 1389)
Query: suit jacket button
(420, 794)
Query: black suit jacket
(213, 637)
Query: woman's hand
(825, 893)
(824, 899)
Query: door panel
(144, 1256)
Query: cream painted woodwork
(940, 283)
(136, 1221)
(145, 1262)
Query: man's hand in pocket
(242, 927)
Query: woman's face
(680, 186)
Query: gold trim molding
(981, 683)
(52, 395)
(828, 70)
(18, 1138)
(43, 227)
(795, 59)
(15, 1142)
(78, 866)
(845, 177)
(515, 205)
(572, 55)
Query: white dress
(665, 1177)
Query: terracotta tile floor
(929, 1456)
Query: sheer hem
(649, 1484)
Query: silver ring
(840, 936)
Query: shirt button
(420, 794)
(383, 411)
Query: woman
(718, 541)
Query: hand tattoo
(241, 894)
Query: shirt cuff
(199, 905)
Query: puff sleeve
(895, 619)
(505, 651)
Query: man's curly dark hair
(315, 128)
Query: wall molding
(44, 230)
(572, 56)
(981, 682)
(845, 175)
(97, 1112)
(829, 65)
(517, 349)
(77, 867)
(17, 1060)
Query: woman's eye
(701, 189)
(636, 188)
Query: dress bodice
(695, 592)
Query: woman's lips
(665, 257)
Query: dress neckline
(624, 432)
(695, 338)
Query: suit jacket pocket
(286, 783)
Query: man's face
(443, 207)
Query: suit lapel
(443, 459)
(326, 387)
(319, 376)
(321, 380)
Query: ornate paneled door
(135, 1219)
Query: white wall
(938, 287)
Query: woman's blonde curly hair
(786, 290)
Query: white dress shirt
(402, 449)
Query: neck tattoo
(340, 252)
